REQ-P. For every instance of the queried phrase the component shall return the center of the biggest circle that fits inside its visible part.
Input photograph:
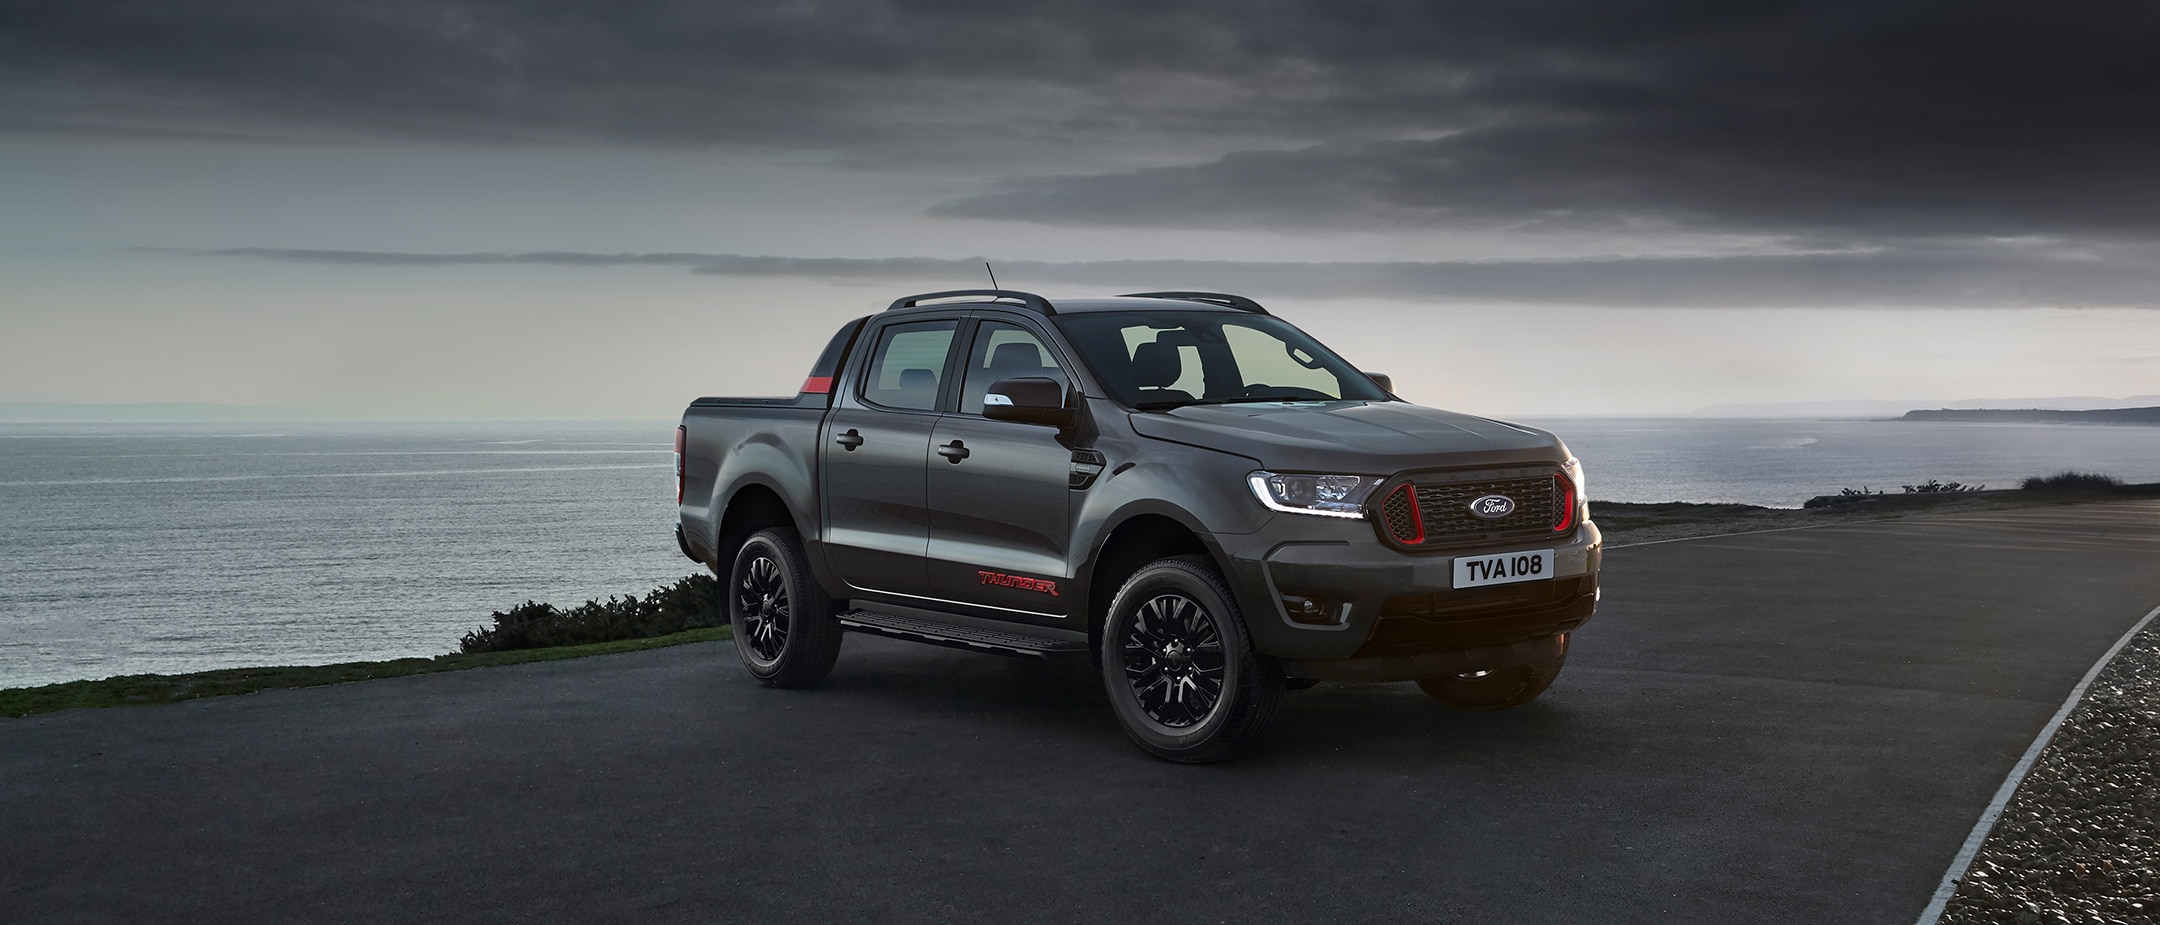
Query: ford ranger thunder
(1204, 500)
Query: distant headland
(2039, 416)
(1891, 408)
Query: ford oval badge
(1491, 507)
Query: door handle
(954, 451)
(851, 440)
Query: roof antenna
(993, 274)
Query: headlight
(1323, 495)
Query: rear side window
(908, 366)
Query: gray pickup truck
(1188, 490)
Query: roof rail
(1223, 299)
(1029, 299)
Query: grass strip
(127, 690)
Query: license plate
(1505, 568)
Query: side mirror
(1382, 380)
(1029, 400)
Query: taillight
(681, 433)
(1564, 519)
(1404, 521)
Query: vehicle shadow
(1332, 725)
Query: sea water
(169, 548)
(1784, 462)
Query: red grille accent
(1564, 519)
(1404, 521)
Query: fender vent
(1086, 465)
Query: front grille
(1442, 515)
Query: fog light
(1308, 610)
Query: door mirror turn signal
(1030, 400)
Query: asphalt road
(1797, 726)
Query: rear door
(999, 503)
(876, 443)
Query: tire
(1498, 688)
(784, 626)
(1179, 667)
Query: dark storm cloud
(1827, 119)
(846, 76)
(1949, 277)
(1820, 119)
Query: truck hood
(1375, 438)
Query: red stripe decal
(817, 385)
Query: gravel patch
(2080, 841)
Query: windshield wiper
(1247, 399)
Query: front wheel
(1497, 688)
(1181, 673)
(784, 626)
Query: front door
(998, 496)
(875, 447)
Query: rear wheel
(1181, 673)
(1496, 688)
(784, 625)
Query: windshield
(1164, 359)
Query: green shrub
(690, 603)
(1936, 486)
(2071, 480)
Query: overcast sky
(600, 209)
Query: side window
(1004, 351)
(909, 364)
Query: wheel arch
(1138, 538)
(750, 507)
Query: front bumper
(1388, 615)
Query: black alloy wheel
(784, 625)
(763, 600)
(1181, 673)
(1173, 657)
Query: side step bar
(962, 636)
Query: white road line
(1892, 518)
(1720, 536)
(1933, 913)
